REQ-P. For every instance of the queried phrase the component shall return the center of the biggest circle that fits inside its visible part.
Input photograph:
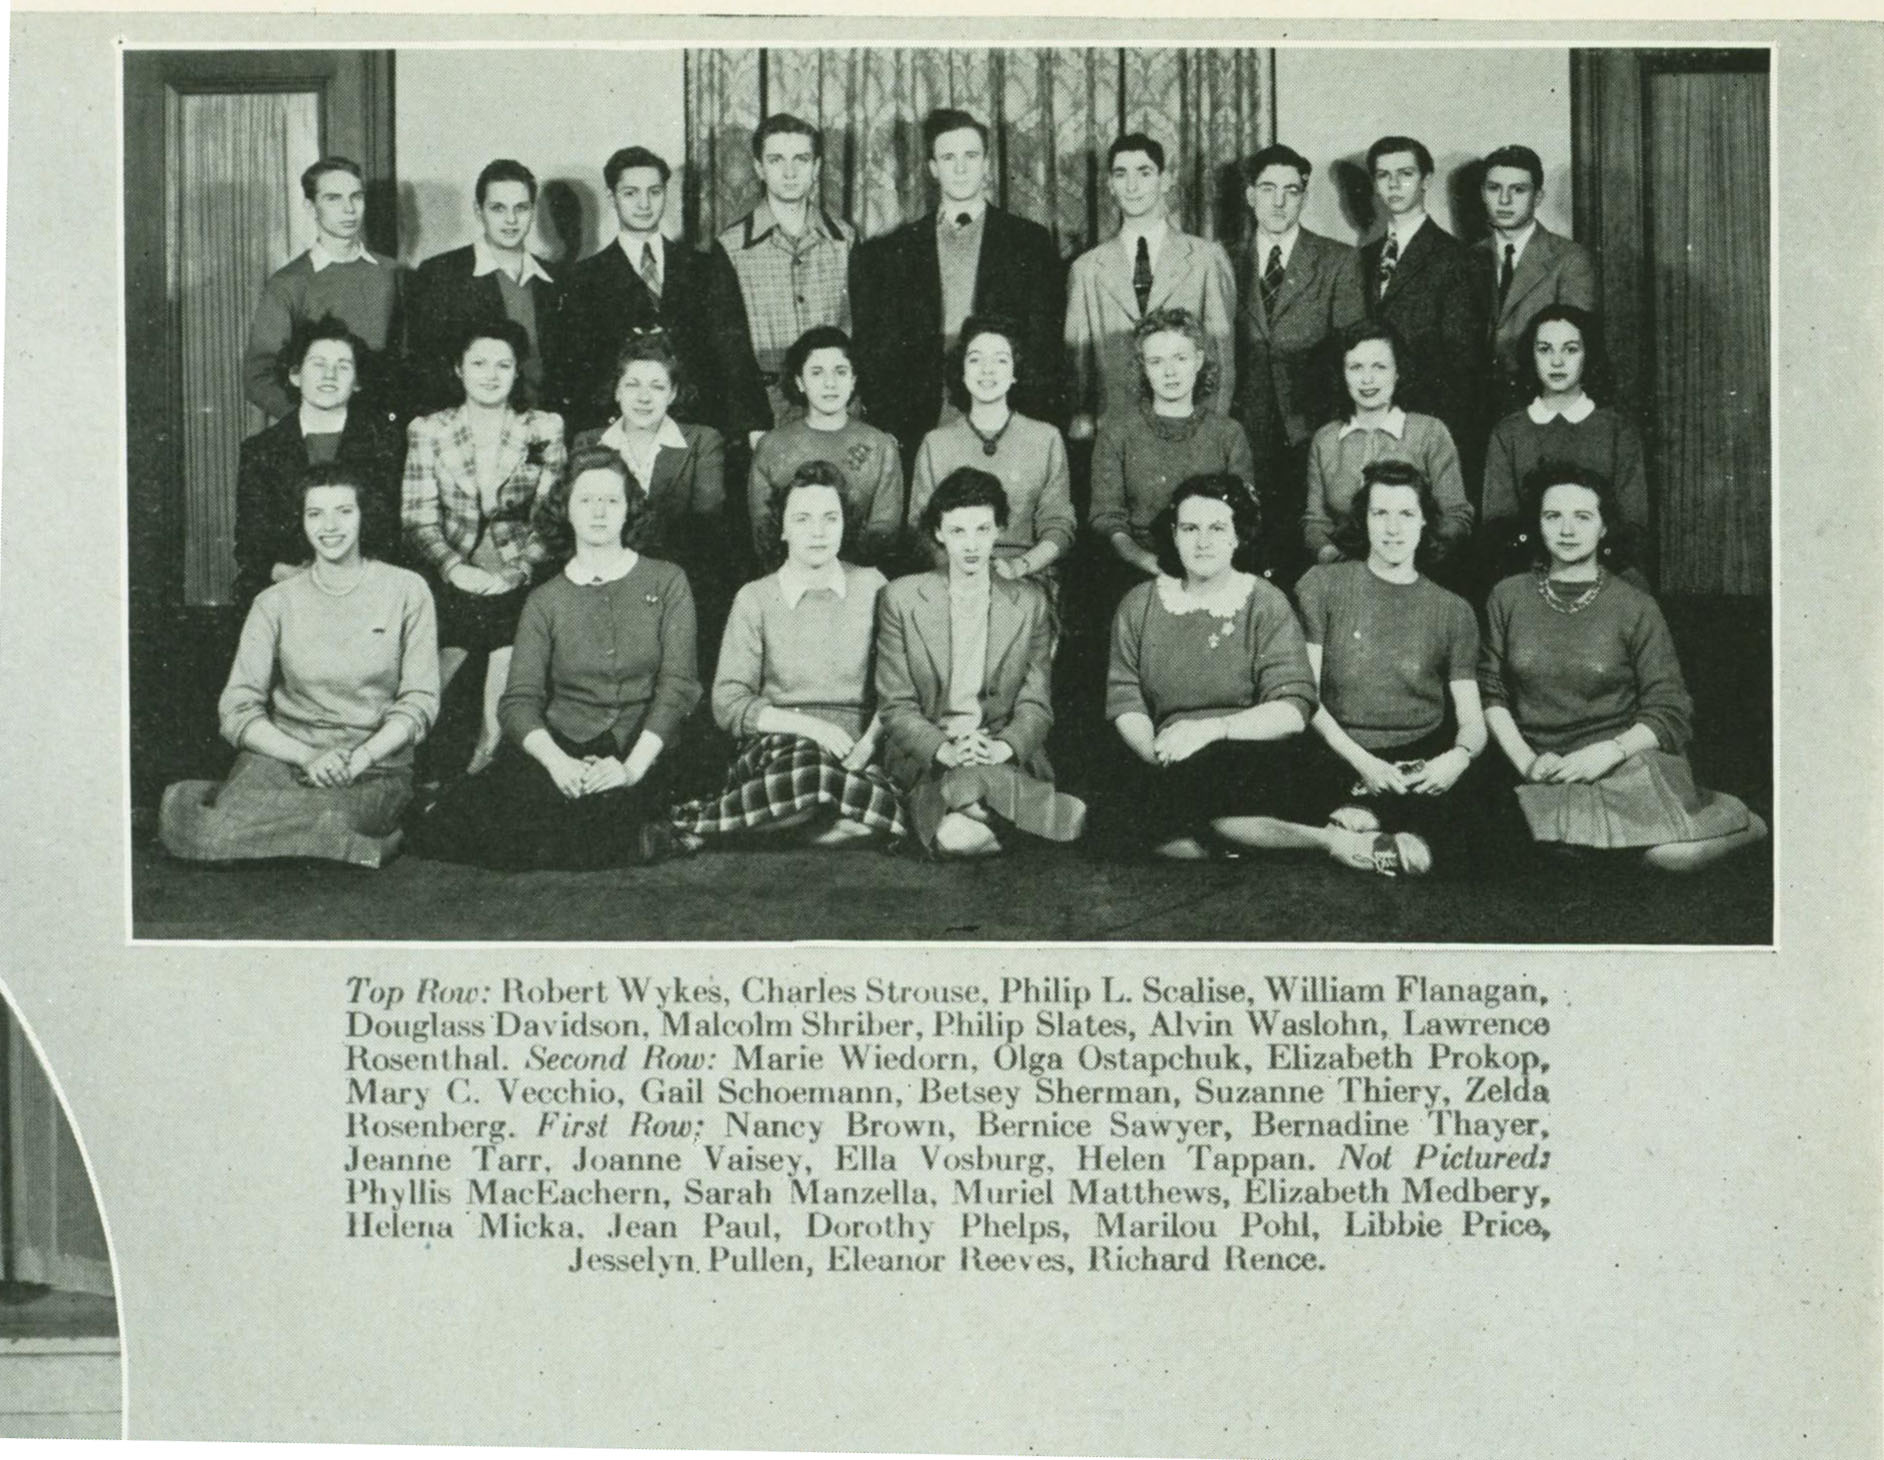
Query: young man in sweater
(336, 275)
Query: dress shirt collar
(1153, 232)
(632, 244)
(795, 582)
(946, 213)
(1267, 241)
(1394, 425)
(1404, 226)
(1577, 412)
(667, 434)
(1520, 243)
(483, 262)
(319, 255)
(588, 577)
(764, 225)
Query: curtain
(235, 216)
(1709, 231)
(1053, 112)
(50, 1231)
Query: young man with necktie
(1150, 265)
(1296, 292)
(643, 280)
(1524, 268)
(1420, 279)
(912, 289)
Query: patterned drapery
(1053, 112)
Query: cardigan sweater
(812, 657)
(613, 657)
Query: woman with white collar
(601, 679)
(1375, 428)
(681, 470)
(1564, 423)
(794, 684)
(1209, 686)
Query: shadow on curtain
(1053, 112)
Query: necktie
(650, 269)
(1272, 278)
(1504, 274)
(962, 220)
(1389, 259)
(1141, 274)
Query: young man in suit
(642, 280)
(789, 259)
(1149, 265)
(335, 276)
(1523, 267)
(1420, 279)
(912, 289)
(493, 277)
(1296, 292)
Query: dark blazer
(268, 508)
(1436, 304)
(913, 672)
(686, 492)
(444, 300)
(1283, 366)
(896, 309)
(604, 298)
(1551, 270)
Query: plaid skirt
(777, 777)
(264, 809)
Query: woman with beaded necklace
(1584, 695)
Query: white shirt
(1500, 243)
(1394, 424)
(1267, 241)
(589, 577)
(633, 245)
(319, 255)
(640, 456)
(485, 261)
(1404, 226)
(1577, 412)
(1153, 233)
(795, 582)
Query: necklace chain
(314, 572)
(1575, 605)
(990, 443)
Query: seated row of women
(870, 710)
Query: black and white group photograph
(1288, 495)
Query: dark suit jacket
(268, 507)
(444, 300)
(604, 298)
(1283, 369)
(1551, 270)
(913, 672)
(1439, 309)
(896, 310)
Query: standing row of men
(790, 265)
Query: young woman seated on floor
(963, 670)
(1396, 665)
(1140, 455)
(1584, 695)
(820, 375)
(1209, 686)
(474, 477)
(335, 680)
(602, 675)
(794, 685)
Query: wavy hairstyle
(1617, 549)
(552, 515)
(1598, 384)
(956, 367)
(1351, 535)
(656, 345)
(1177, 322)
(1359, 333)
(510, 333)
(816, 473)
(818, 337)
(1246, 517)
(378, 522)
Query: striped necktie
(1389, 260)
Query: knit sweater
(1604, 441)
(1388, 650)
(331, 669)
(1196, 663)
(1030, 460)
(615, 657)
(872, 467)
(363, 292)
(1139, 459)
(1571, 679)
(813, 657)
(1335, 462)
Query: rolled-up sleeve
(1125, 692)
(1281, 670)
